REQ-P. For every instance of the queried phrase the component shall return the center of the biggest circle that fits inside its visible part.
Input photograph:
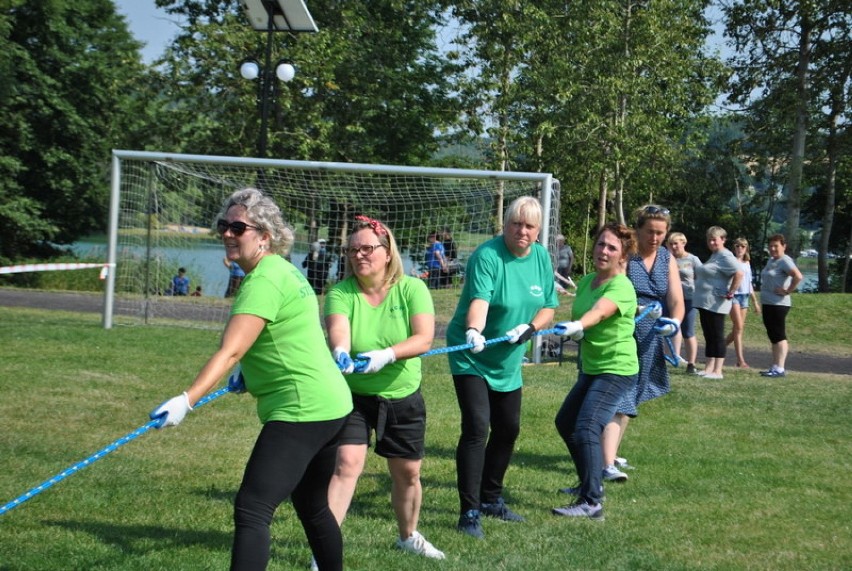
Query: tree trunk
(837, 108)
(794, 183)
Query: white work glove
(570, 329)
(475, 338)
(521, 333)
(656, 310)
(377, 359)
(666, 327)
(236, 381)
(171, 412)
(343, 360)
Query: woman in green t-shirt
(387, 319)
(302, 399)
(604, 312)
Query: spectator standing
(686, 264)
(317, 263)
(451, 255)
(302, 399)
(564, 257)
(436, 261)
(715, 283)
(653, 272)
(180, 283)
(388, 319)
(778, 279)
(235, 277)
(604, 313)
(508, 290)
(740, 303)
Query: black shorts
(400, 425)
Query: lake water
(204, 264)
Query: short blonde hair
(676, 237)
(717, 232)
(525, 208)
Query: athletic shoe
(418, 545)
(500, 510)
(575, 491)
(701, 373)
(469, 524)
(622, 464)
(314, 566)
(681, 361)
(713, 376)
(774, 373)
(613, 474)
(581, 509)
(690, 369)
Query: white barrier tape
(55, 267)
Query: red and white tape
(54, 268)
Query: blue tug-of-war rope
(157, 422)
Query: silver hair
(262, 211)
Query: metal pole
(265, 79)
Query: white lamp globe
(249, 70)
(285, 71)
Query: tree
(69, 67)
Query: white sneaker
(621, 463)
(613, 474)
(314, 566)
(418, 545)
(681, 361)
(713, 376)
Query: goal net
(163, 207)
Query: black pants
(713, 327)
(295, 460)
(482, 458)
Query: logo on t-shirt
(536, 291)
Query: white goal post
(162, 207)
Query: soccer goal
(163, 207)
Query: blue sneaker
(613, 474)
(774, 372)
(469, 524)
(581, 509)
(500, 510)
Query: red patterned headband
(374, 224)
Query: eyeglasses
(652, 209)
(237, 228)
(363, 250)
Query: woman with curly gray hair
(302, 398)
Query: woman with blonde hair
(739, 307)
(386, 319)
(686, 264)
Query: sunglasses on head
(655, 210)
(237, 228)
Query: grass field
(745, 473)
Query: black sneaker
(469, 524)
(499, 510)
(690, 369)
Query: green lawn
(745, 473)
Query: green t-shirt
(609, 346)
(289, 368)
(374, 328)
(515, 289)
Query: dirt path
(67, 301)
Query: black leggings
(480, 467)
(296, 460)
(713, 327)
(775, 322)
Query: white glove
(343, 360)
(475, 338)
(571, 329)
(521, 333)
(172, 411)
(377, 359)
(666, 327)
(656, 310)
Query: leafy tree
(69, 67)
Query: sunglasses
(363, 250)
(237, 228)
(655, 210)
